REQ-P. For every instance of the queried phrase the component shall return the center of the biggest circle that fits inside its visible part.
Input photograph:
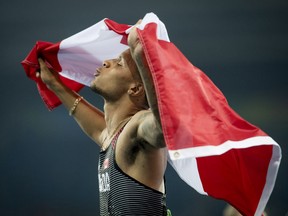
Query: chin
(93, 85)
(95, 89)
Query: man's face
(113, 78)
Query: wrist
(56, 87)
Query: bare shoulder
(132, 127)
(147, 129)
(141, 115)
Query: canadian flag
(210, 146)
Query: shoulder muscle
(149, 131)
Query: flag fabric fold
(210, 146)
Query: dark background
(49, 167)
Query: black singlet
(122, 195)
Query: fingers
(41, 63)
(43, 67)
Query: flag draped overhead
(210, 146)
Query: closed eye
(119, 61)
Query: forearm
(89, 118)
(145, 73)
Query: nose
(106, 64)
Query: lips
(97, 73)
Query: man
(133, 156)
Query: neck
(117, 114)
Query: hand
(48, 76)
(133, 39)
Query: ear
(136, 89)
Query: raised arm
(138, 56)
(150, 128)
(90, 119)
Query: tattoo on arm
(150, 131)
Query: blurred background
(48, 167)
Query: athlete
(133, 155)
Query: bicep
(150, 131)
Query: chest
(125, 146)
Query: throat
(110, 134)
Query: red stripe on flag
(238, 176)
(189, 102)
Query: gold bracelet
(73, 108)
